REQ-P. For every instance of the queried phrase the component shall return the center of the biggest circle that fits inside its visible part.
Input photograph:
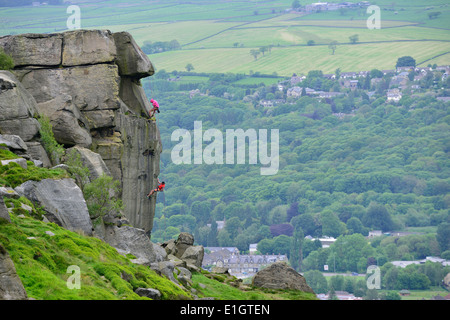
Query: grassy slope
(42, 260)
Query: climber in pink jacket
(155, 108)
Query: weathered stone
(193, 255)
(133, 241)
(149, 293)
(64, 94)
(4, 213)
(62, 201)
(133, 95)
(280, 276)
(132, 61)
(33, 49)
(165, 268)
(20, 161)
(17, 108)
(37, 152)
(93, 161)
(11, 288)
(13, 142)
(83, 47)
(8, 192)
(181, 271)
(184, 241)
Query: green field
(217, 36)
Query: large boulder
(18, 108)
(11, 288)
(93, 161)
(130, 240)
(13, 142)
(280, 276)
(62, 200)
(33, 49)
(193, 256)
(183, 252)
(83, 47)
(132, 61)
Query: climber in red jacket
(158, 189)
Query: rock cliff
(87, 82)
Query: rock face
(11, 287)
(88, 83)
(280, 276)
(4, 214)
(17, 108)
(62, 200)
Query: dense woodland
(381, 166)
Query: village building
(238, 265)
(394, 95)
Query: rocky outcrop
(4, 214)
(87, 82)
(280, 276)
(93, 161)
(18, 108)
(129, 240)
(11, 287)
(62, 200)
(183, 252)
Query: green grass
(300, 59)
(424, 294)
(13, 175)
(207, 287)
(208, 32)
(41, 262)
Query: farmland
(217, 36)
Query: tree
(263, 50)
(443, 236)
(332, 46)
(316, 280)
(354, 38)
(295, 4)
(406, 61)
(189, 67)
(255, 53)
(77, 170)
(296, 255)
(347, 252)
(311, 42)
(434, 15)
(101, 196)
(378, 217)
